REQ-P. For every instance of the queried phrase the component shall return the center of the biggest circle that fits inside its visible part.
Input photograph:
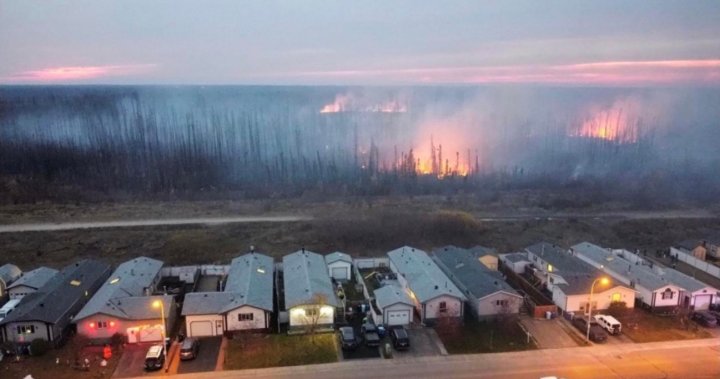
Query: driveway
(206, 359)
(549, 334)
(132, 362)
(424, 342)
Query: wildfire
(348, 103)
(437, 161)
(613, 124)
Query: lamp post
(159, 304)
(603, 281)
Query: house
(309, 294)
(394, 305)
(246, 303)
(486, 255)
(124, 305)
(48, 313)
(515, 261)
(486, 290)
(570, 280)
(30, 282)
(339, 266)
(8, 274)
(433, 293)
(695, 248)
(658, 288)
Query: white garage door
(702, 302)
(340, 273)
(150, 333)
(201, 329)
(398, 317)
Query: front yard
(273, 350)
(492, 336)
(641, 326)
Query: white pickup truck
(609, 323)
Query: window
(668, 294)
(245, 317)
(552, 280)
(311, 312)
(442, 307)
(501, 303)
(550, 268)
(616, 297)
(26, 329)
(102, 324)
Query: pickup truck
(372, 338)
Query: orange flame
(612, 124)
(347, 103)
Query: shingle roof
(130, 279)
(9, 273)
(689, 244)
(515, 257)
(391, 294)
(58, 296)
(481, 251)
(305, 275)
(424, 277)
(206, 303)
(577, 274)
(337, 256)
(473, 277)
(35, 278)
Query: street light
(604, 281)
(159, 304)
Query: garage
(339, 266)
(702, 302)
(340, 272)
(148, 333)
(398, 317)
(395, 305)
(200, 329)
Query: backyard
(492, 336)
(273, 350)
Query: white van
(609, 323)
(8, 307)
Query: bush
(39, 347)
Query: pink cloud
(76, 73)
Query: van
(8, 307)
(155, 357)
(609, 323)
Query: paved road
(676, 359)
(154, 222)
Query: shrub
(39, 347)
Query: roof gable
(426, 280)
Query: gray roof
(515, 257)
(578, 274)
(481, 251)
(469, 274)
(337, 256)
(9, 273)
(130, 279)
(206, 303)
(391, 294)
(35, 278)
(305, 275)
(424, 277)
(689, 244)
(652, 278)
(59, 297)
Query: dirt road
(153, 222)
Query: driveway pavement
(424, 342)
(206, 359)
(549, 334)
(132, 362)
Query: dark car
(400, 339)
(704, 318)
(597, 333)
(155, 357)
(348, 339)
(370, 333)
(189, 349)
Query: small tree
(313, 314)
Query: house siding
(431, 307)
(20, 291)
(260, 319)
(298, 318)
(42, 329)
(121, 325)
(487, 306)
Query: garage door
(150, 333)
(201, 329)
(702, 301)
(398, 317)
(340, 273)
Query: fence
(362, 263)
(697, 263)
(539, 304)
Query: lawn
(484, 337)
(642, 326)
(273, 350)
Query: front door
(218, 327)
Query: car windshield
(347, 334)
(401, 333)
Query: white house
(339, 266)
(395, 305)
(30, 282)
(310, 298)
(8, 274)
(433, 293)
(570, 280)
(245, 304)
(486, 290)
(515, 261)
(658, 288)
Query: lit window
(114, 280)
(26, 329)
(75, 282)
(616, 297)
(311, 312)
(245, 317)
(550, 268)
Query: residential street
(652, 360)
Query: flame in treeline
(438, 161)
(349, 103)
(613, 124)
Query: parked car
(348, 339)
(597, 333)
(370, 334)
(155, 357)
(704, 318)
(609, 323)
(400, 339)
(189, 349)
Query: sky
(368, 42)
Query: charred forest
(99, 143)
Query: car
(597, 333)
(704, 318)
(399, 337)
(189, 349)
(155, 357)
(348, 339)
(370, 334)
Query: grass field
(641, 326)
(485, 337)
(273, 350)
